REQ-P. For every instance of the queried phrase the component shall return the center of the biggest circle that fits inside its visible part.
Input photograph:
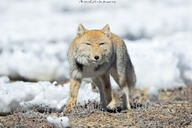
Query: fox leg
(106, 86)
(121, 80)
(112, 104)
(97, 82)
(74, 88)
(125, 90)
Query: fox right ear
(106, 30)
(81, 30)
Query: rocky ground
(170, 108)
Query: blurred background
(35, 35)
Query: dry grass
(171, 108)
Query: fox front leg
(74, 88)
(104, 86)
(109, 100)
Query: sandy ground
(170, 108)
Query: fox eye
(87, 43)
(101, 43)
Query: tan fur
(97, 54)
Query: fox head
(93, 46)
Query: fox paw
(111, 105)
(129, 106)
(69, 106)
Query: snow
(34, 60)
(35, 36)
(28, 94)
(59, 121)
(166, 62)
(4, 79)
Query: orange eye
(101, 43)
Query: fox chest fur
(93, 69)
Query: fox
(97, 54)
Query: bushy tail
(131, 80)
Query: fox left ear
(106, 30)
(81, 30)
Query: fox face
(94, 47)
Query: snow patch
(59, 121)
(162, 63)
(27, 94)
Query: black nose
(96, 57)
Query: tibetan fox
(97, 54)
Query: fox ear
(81, 30)
(106, 30)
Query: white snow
(27, 94)
(34, 60)
(4, 79)
(59, 121)
(35, 35)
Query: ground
(170, 108)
